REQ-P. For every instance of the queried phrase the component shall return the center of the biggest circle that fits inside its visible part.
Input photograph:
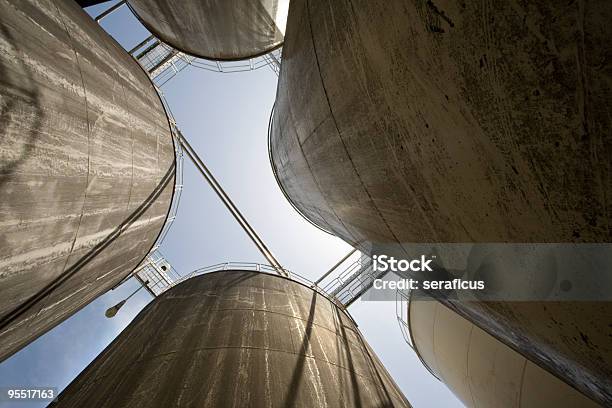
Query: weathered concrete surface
(215, 29)
(87, 166)
(494, 130)
(237, 339)
(402, 122)
(480, 370)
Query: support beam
(333, 268)
(229, 204)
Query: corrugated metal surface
(237, 338)
(87, 165)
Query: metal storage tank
(407, 122)
(216, 29)
(87, 166)
(480, 370)
(237, 338)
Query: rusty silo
(237, 338)
(216, 29)
(410, 122)
(87, 165)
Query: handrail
(258, 267)
(278, 183)
(163, 71)
(333, 268)
(178, 185)
(214, 184)
(405, 297)
(163, 62)
(156, 273)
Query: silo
(87, 166)
(222, 30)
(480, 370)
(237, 338)
(403, 123)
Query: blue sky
(225, 117)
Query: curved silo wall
(407, 122)
(480, 370)
(215, 29)
(237, 338)
(87, 166)
(387, 129)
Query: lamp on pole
(112, 311)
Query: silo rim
(327, 297)
(278, 182)
(220, 59)
(414, 345)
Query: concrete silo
(237, 338)
(408, 122)
(87, 166)
(480, 370)
(216, 29)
